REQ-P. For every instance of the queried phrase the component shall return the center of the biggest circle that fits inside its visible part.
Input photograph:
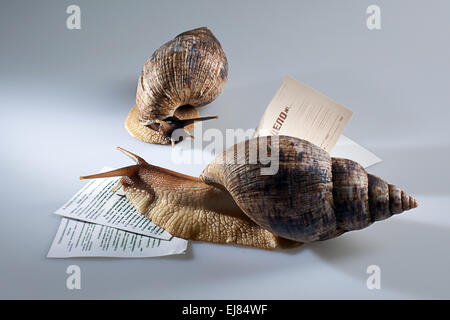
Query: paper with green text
(83, 239)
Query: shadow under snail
(311, 197)
(187, 72)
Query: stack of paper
(100, 223)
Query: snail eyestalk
(186, 122)
(131, 155)
(126, 171)
(122, 172)
(118, 185)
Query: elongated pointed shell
(311, 197)
(191, 70)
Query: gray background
(64, 95)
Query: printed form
(299, 111)
(100, 223)
(83, 239)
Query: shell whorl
(190, 70)
(361, 198)
(311, 197)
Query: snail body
(187, 72)
(311, 197)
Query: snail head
(166, 127)
(130, 174)
(144, 179)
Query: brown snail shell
(312, 197)
(187, 72)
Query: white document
(96, 203)
(299, 111)
(349, 149)
(82, 239)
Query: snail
(187, 72)
(311, 197)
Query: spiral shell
(187, 72)
(311, 197)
